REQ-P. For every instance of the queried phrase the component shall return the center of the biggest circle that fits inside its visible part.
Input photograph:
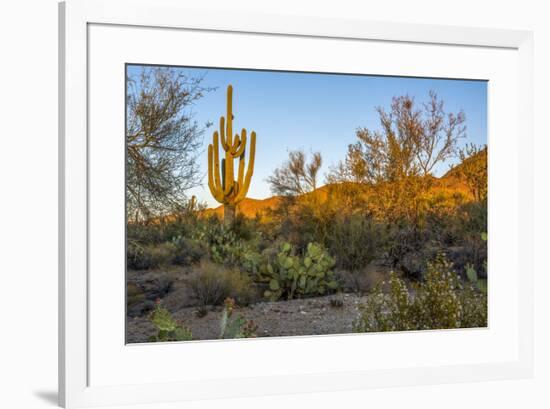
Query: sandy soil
(310, 316)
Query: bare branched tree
(438, 136)
(162, 141)
(296, 176)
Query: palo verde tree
(162, 141)
(396, 159)
(221, 182)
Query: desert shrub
(232, 326)
(290, 276)
(144, 233)
(179, 225)
(162, 254)
(168, 328)
(134, 294)
(469, 248)
(307, 226)
(179, 251)
(187, 251)
(474, 308)
(182, 223)
(301, 221)
(244, 228)
(456, 233)
(355, 241)
(472, 252)
(441, 301)
(216, 282)
(139, 257)
(409, 249)
(473, 216)
(225, 247)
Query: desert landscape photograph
(274, 203)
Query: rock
(142, 289)
(156, 287)
(140, 308)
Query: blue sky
(317, 112)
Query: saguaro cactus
(223, 185)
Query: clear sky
(317, 112)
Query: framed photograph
(263, 204)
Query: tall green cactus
(223, 185)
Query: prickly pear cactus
(291, 276)
(168, 328)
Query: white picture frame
(77, 381)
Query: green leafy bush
(216, 282)
(355, 241)
(235, 326)
(441, 301)
(291, 276)
(168, 328)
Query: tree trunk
(228, 214)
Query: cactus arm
(240, 177)
(210, 169)
(241, 155)
(216, 149)
(229, 116)
(214, 189)
(223, 139)
(229, 177)
(239, 148)
(226, 129)
(236, 145)
(250, 170)
(223, 175)
(227, 197)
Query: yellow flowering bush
(442, 300)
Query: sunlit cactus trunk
(229, 214)
(221, 182)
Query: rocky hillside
(248, 207)
(447, 185)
